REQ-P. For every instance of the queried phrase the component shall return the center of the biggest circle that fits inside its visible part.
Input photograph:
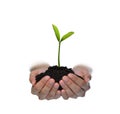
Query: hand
(46, 88)
(73, 86)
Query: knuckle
(88, 87)
(35, 88)
(42, 93)
(33, 92)
(70, 93)
(83, 94)
(50, 96)
(65, 98)
(74, 96)
(78, 90)
(83, 83)
(41, 98)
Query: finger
(81, 89)
(83, 71)
(53, 91)
(82, 67)
(72, 85)
(87, 77)
(86, 87)
(64, 94)
(46, 89)
(43, 66)
(38, 86)
(67, 89)
(77, 69)
(33, 91)
(76, 79)
(57, 95)
(81, 83)
(33, 75)
(81, 93)
(32, 78)
(35, 70)
(74, 96)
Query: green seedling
(60, 39)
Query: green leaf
(67, 36)
(57, 33)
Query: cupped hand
(73, 86)
(46, 88)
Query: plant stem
(59, 53)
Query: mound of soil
(56, 73)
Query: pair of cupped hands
(72, 85)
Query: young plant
(64, 37)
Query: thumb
(83, 71)
(32, 80)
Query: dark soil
(56, 73)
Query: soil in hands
(56, 73)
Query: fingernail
(70, 75)
(47, 77)
(33, 82)
(65, 78)
(60, 81)
(56, 85)
(51, 81)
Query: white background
(26, 37)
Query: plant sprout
(64, 37)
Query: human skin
(72, 85)
(46, 88)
